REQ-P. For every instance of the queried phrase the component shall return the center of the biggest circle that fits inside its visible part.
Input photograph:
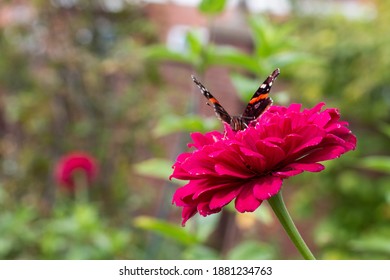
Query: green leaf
(245, 86)
(212, 6)
(171, 124)
(265, 215)
(274, 44)
(262, 32)
(252, 250)
(377, 163)
(385, 129)
(155, 167)
(288, 58)
(378, 242)
(200, 252)
(208, 223)
(195, 44)
(230, 56)
(166, 229)
(161, 52)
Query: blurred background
(111, 79)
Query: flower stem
(284, 217)
(81, 186)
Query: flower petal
(223, 198)
(325, 153)
(297, 168)
(199, 164)
(250, 165)
(187, 213)
(229, 164)
(204, 209)
(205, 189)
(267, 187)
(287, 172)
(254, 161)
(273, 153)
(246, 201)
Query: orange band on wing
(258, 98)
(213, 100)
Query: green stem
(81, 186)
(284, 217)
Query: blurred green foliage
(351, 75)
(212, 6)
(73, 78)
(85, 78)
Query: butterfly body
(257, 105)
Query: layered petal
(246, 201)
(266, 187)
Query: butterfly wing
(213, 102)
(260, 100)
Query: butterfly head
(238, 123)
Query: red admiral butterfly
(257, 105)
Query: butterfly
(257, 105)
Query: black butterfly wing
(260, 100)
(213, 102)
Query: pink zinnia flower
(75, 162)
(250, 165)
